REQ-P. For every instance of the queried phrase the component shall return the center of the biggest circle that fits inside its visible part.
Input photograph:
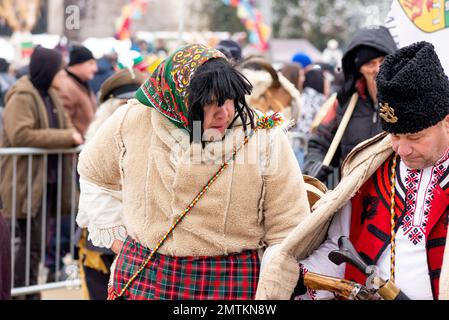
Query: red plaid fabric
(231, 277)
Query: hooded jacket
(26, 125)
(375, 37)
(365, 122)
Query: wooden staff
(323, 111)
(341, 129)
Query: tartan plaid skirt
(231, 277)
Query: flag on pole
(129, 13)
(411, 21)
(252, 19)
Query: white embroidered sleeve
(319, 262)
(100, 211)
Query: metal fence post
(44, 213)
(16, 154)
(28, 228)
(13, 218)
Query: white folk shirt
(411, 269)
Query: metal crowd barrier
(70, 278)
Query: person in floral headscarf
(187, 184)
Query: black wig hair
(217, 80)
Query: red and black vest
(370, 230)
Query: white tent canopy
(282, 50)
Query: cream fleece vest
(257, 201)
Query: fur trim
(105, 110)
(261, 80)
(291, 89)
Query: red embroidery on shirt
(413, 182)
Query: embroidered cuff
(302, 292)
(104, 237)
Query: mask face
(217, 118)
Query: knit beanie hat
(231, 49)
(364, 54)
(413, 90)
(302, 58)
(80, 54)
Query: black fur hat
(413, 90)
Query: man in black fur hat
(360, 63)
(393, 199)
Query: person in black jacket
(360, 63)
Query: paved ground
(62, 294)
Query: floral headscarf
(166, 89)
